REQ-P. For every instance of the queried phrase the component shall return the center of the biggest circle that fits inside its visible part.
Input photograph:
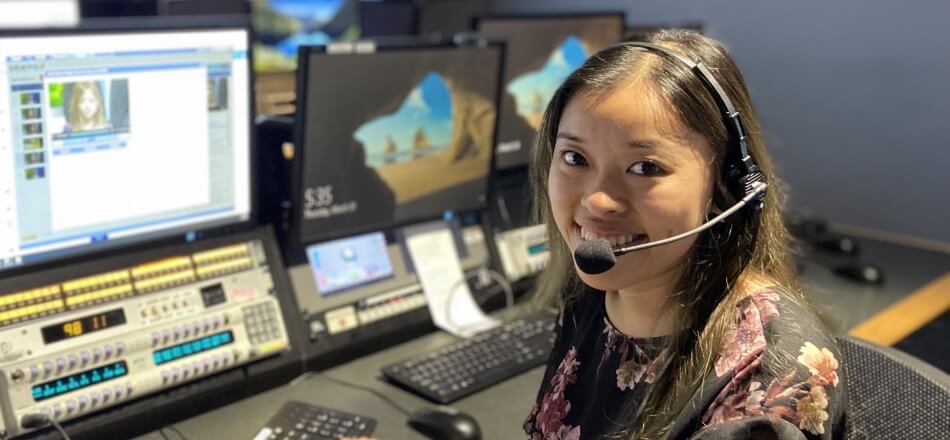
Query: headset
(745, 172)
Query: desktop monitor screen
(393, 136)
(380, 18)
(541, 53)
(112, 138)
(282, 26)
(36, 14)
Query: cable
(60, 429)
(175, 430)
(495, 276)
(39, 420)
(306, 376)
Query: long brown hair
(745, 245)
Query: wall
(854, 96)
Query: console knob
(17, 375)
(84, 358)
(73, 360)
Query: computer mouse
(444, 423)
(860, 272)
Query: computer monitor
(36, 14)
(541, 52)
(382, 18)
(449, 17)
(109, 139)
(391, 135)
(282, 26)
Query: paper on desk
(437, 265)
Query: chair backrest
(892, 394)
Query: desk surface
(498, 410)
(501, 409)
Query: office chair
(892, 394)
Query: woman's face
(625, 169)
(88, 104)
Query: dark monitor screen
(393, 136)
(541, 52)
(385, 18)
(282, 26)
(95, 154)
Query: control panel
(523, 251)
(72, 348)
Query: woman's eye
(573, 158)
(646, 168)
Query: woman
(705, 337)
(86, 109)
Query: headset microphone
(596, 256)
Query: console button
(72, 360)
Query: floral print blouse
(777, 377)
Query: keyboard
(303, 421)
(474, 364)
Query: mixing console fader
(71, 348)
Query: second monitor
(393, 136)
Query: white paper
(437, 265)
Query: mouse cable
(173, 429)
(304, 377)
(39, 420)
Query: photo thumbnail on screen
(541, 52)
(379, 153)
(88, 106)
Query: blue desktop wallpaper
(533, 90)
(421, 126)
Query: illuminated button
(107, 351)
(34, 372)
(83, 402)
(72, 360)
(57, 410)
(106, 395)
(94, 399)
(84, 358)
(60, 365)
(71, 406)
(119, 348)
(96, 354)
(156, 338)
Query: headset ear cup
(747, 184)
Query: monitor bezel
(476, 29)
(154, 25)
(295, 242)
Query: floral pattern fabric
(596, 371)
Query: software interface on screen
(107, 139)
(349, 262)
(541, 53)
(395, 136)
